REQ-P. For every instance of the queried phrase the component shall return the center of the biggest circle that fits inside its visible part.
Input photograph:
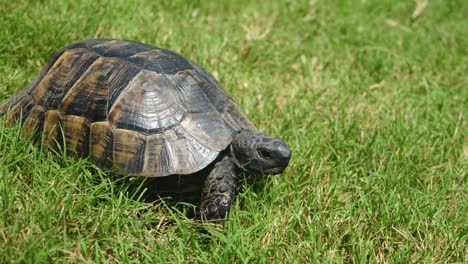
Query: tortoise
(146, 111)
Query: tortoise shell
(145, 110)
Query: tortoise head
(258, 153)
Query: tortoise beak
(282, 162)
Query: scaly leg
(219, 190)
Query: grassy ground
(370, 95)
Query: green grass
(370, 95)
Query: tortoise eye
(264, 153)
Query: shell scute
(191, 93)
(128, 151)
(101, 143)
(51, 133)
(89, 96)
(76, 133)
(209, 129)
(148, 105)
(35, 121)
(61, 76)
(213, 90)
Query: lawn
(371, 96)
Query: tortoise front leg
(219, 190)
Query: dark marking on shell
(67, 69)
(34, 123)
(20, 111)
(51, 134)
(101, 144)
(129, 151)
(76, 133)
(89, 95)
